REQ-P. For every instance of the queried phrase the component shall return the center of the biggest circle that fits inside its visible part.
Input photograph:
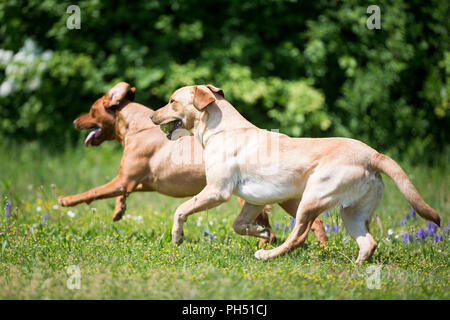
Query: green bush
(309, 69)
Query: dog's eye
(172, 101)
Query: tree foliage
(307, 68)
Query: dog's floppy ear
(116, 94)
(202, 97)
(216, 90)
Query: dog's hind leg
(356, 220)
(307, 212)
(291, 206)
(244, 222)
(263, 220)
(357, 224)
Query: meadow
(135, 259)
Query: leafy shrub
(309, 69)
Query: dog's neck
(132, 119)
(219, 116)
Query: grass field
(134, 258)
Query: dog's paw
(177, 238)
(261, 254)
(62, 201)
(265, 234)
(117, 215)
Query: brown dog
(267, 167)
(150, 161)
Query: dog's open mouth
(90, 139)
(170, 127)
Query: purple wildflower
(277, 227)
(292, 223)
(211, 236)
(413, 213)
(45, 217)
(438, 237)
(431, 227)
(286, 227)
(407, 237)
(446, 229)
(420, 234)
(327, 227)
(405, 219)
(8, 208)
(206, 233)
(336, 228)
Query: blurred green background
(307, 68)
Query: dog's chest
(256, 190)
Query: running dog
(324, 173)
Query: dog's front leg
(121, 202)
(119, 209)
(117, 187)
(208, 198)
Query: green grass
(134, 259)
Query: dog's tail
(383, 163)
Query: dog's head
(101, 119)
(185, 108)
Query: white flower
(70, 213)
(47, 55)
(5, 56)
(38, 209)
(29, 45)
(6, 87)
(55, 207)
(396, 237)
(390, 232)
(210, 223)
(19, 56)
(94, 209)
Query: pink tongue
(90, 137)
